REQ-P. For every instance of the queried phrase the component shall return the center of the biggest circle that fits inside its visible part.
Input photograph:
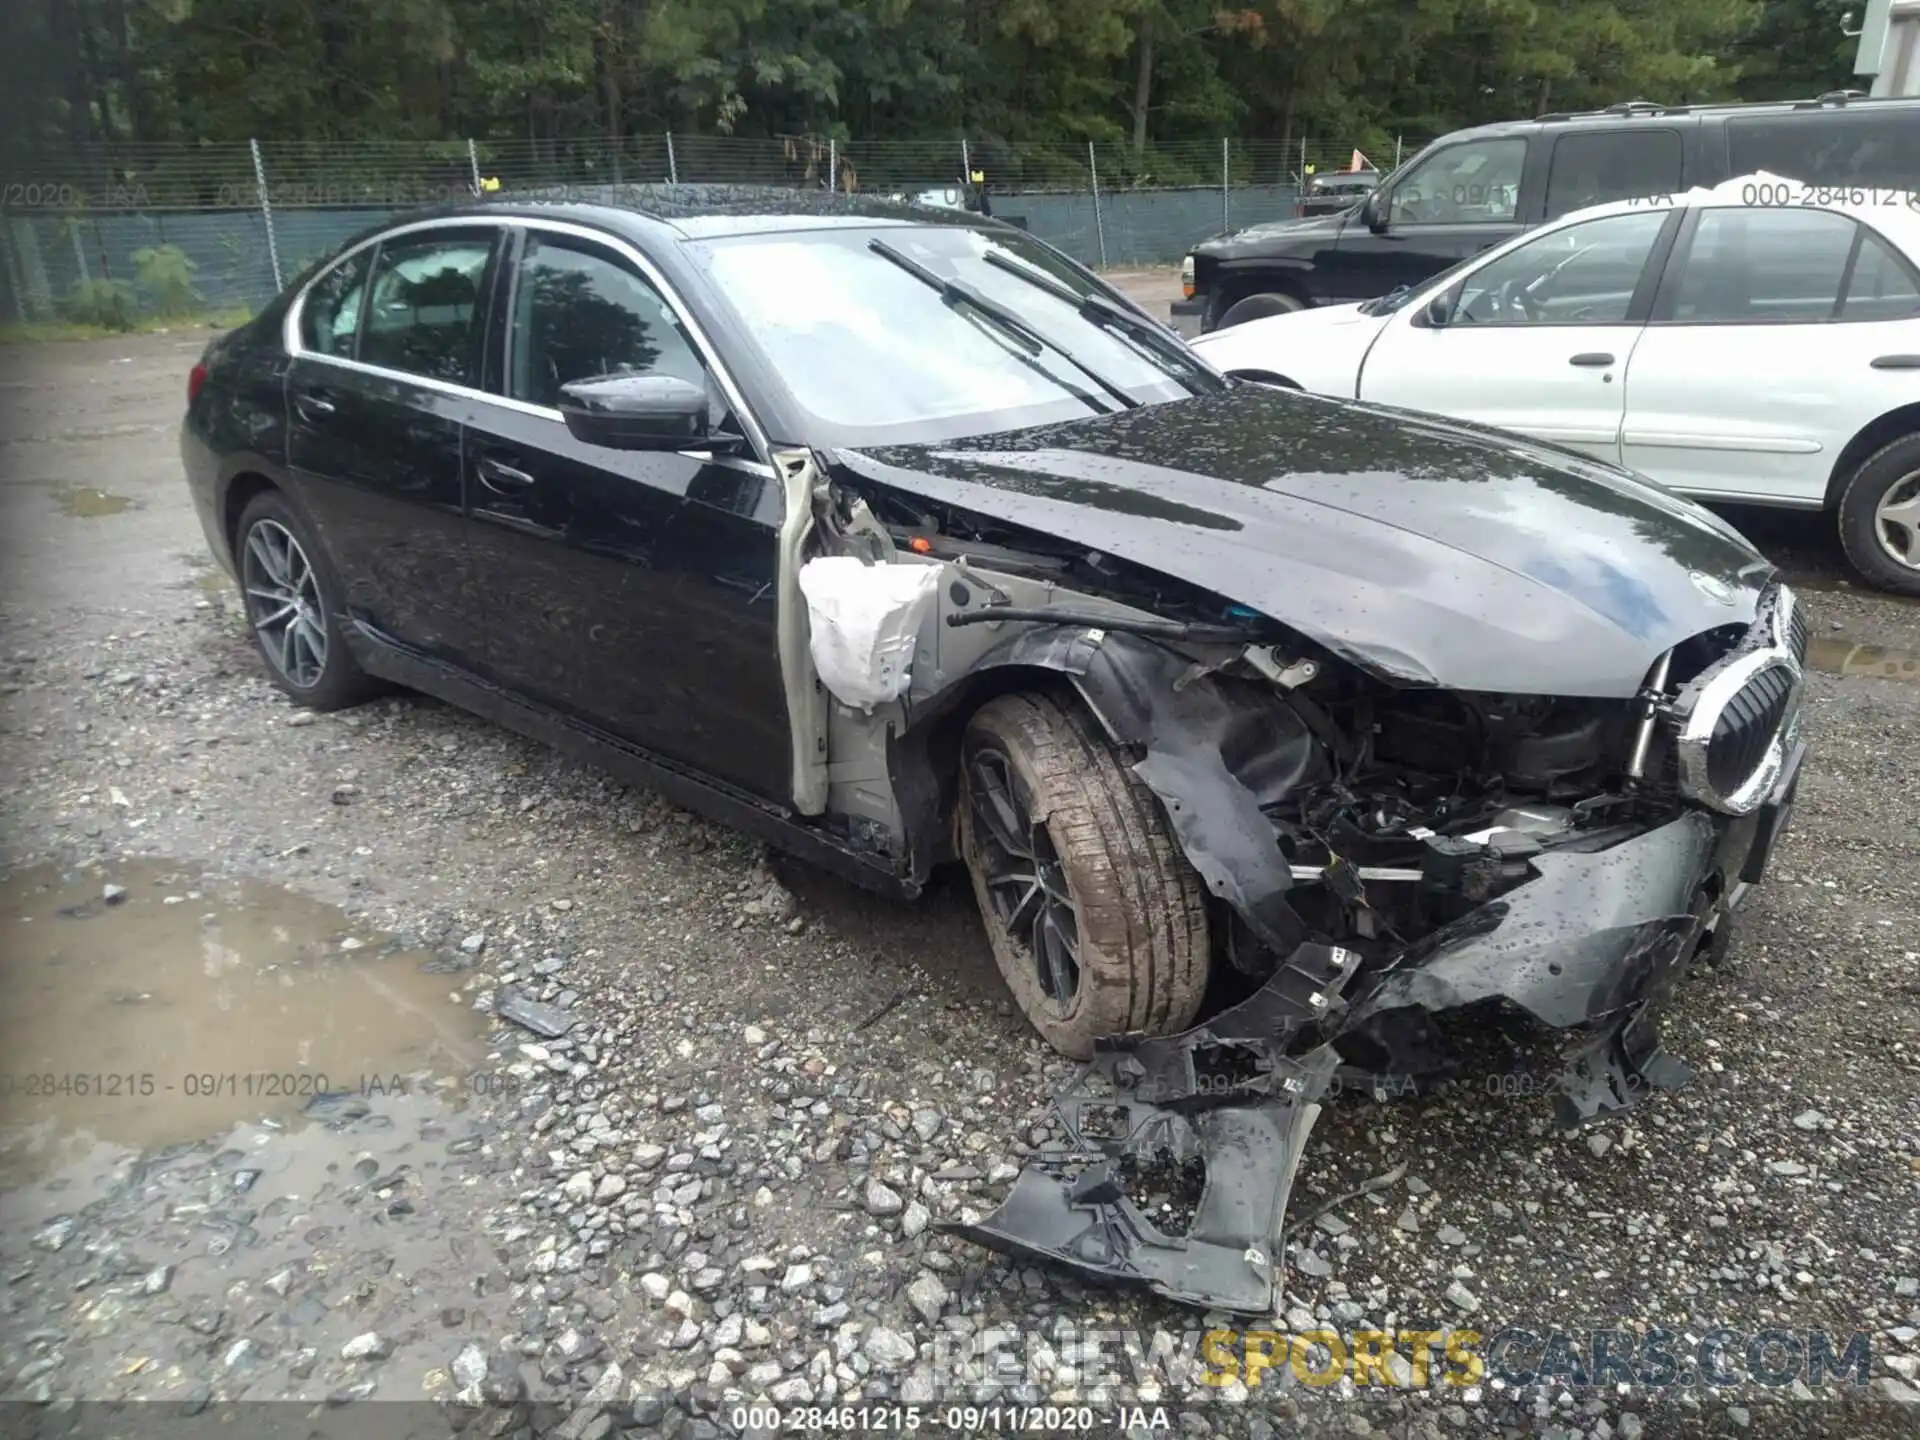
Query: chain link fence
(108, 235)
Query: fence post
(673, 165)
(1226, 187)
(266, 214)
(1099, 225)
(833, 163)
(473, 164)
(1396, 151)
(79, 250)
(15, 282)
(1303, 163)
(966, 163)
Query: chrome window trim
(761, 463)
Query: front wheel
(1879, 517)
(1097, 921)
(293, 607)
(1259, 307)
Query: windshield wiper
(1387, 303)
(1101, 311)
(956, 291)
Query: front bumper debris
(1225, 1094)
(1589, 950)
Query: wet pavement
(199, 1004)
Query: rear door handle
(502, 478)
(1896, 362)
(314, 405)
(1592, 358)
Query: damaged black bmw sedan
(1288, 741)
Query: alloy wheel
(1025, 881)
(1896, 521)
(283, 603)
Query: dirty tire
(340, 681)
(1138, 908)
(1891, 473)
(1259, 307)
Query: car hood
(1320, 348)
(1424, 550)
(1275, 233)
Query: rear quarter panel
(237, 426)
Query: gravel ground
(718, 1186)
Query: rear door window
(423, 317)
(1830, 147)
(1883, 286)
(1595, 167)
(1778, 267)
(330, 315)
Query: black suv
(1475, 188)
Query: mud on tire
(1101, 862)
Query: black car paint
(1337, 259)
(1426, 552)
(1219, 490)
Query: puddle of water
(1837, 655)
(87, 503)
(186, 1007)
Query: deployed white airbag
(864, 623)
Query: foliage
(108, 304)
(38, 331)
(1126, 74)
(166, 274)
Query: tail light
(1186, 277)
(196, 377)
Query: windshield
(873, 351)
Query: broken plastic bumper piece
(1223, 1097)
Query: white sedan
(1757, 342)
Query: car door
(388, 351)
(1459, 200)
(630, 590)
(1757, 366)
(1536, 339)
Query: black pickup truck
(1475, 188)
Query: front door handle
(314, 405)
(502, 478)
(1593, 358)
(1895, 362)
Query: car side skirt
(385, 657)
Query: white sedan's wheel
(1880, 517)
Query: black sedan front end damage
(1401, 888)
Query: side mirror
(1373, 210)
(1439, 311)
(637, 412)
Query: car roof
(698, 212)
(1894, 213)
(1631, 112)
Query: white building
(1889, 53)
